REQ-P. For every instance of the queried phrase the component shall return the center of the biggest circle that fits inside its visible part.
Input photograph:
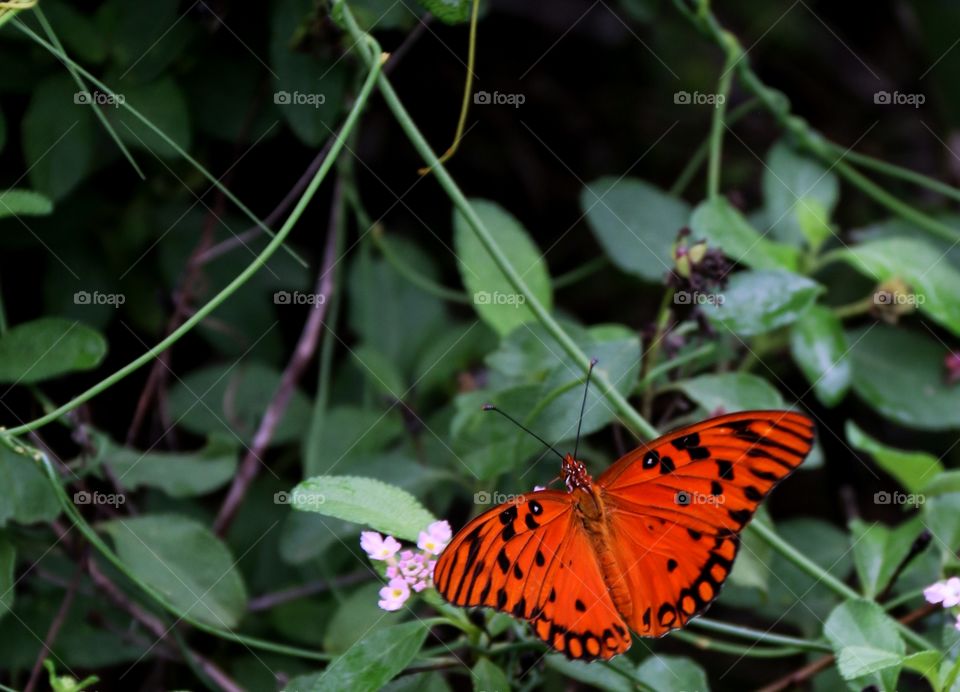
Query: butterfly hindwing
(675, 508)
(532, 559)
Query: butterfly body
(645, 546)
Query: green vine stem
(580, 273)
(758, 636)
(243, 276)
(708, 644)
(213, 180)
(770, 536)
(412, 275)
(78, 80)
(717, 125)
(97, 542)
(637, 422)
(700, 155)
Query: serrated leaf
(935, 282)
(636, 223)
(27, 497)
(758, 301)
(364, 501)
(790, 180)
(864, 624)
(722, 225)
(494, 297)
(730, 392)
(819, 347)
(671, 674)
(900, 374)
(182, 559)
(374, 660)
(857, 661)
(178, 474)
(48, 347)
(913, 469)
(879, 550)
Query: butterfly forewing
(532, 559)
(675, 508)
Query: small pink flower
(378, 547)
(394, 595)
(538, 488)
(435, 538)
(420, 585)
(957, 623)
(947, 593)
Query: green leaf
(935, 282)
(183, 560)
(791, 180)
(380, 371)
(814, 222)
(722, 225)
(494, 297)
(731, 391)
(913, 470)
(58, 137)
(308, 89)
(942, 516)
(363, 501)
(488, 676)
(356, 616)
(819, 347)
(857, 661)
(163, 104)
(390, 313)
(27, 497)
(374, 660)
(8, 562)
(927, 664)
(861, 623)
(671, 673)
(758, 301)
(636, 223)
(24, 203)
(48, 347)
(879, 550)
(228, 400)
(448, 11)
(145, 40)
(900, 374)
(603, 677)
(178, 474)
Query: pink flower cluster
(946, 593)
(410, 569)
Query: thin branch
(158, 628)
(55, 626)
(302, 355)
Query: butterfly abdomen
(591, 510)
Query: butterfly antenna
(491, 407)
(583, 407)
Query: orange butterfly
(644, 547)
